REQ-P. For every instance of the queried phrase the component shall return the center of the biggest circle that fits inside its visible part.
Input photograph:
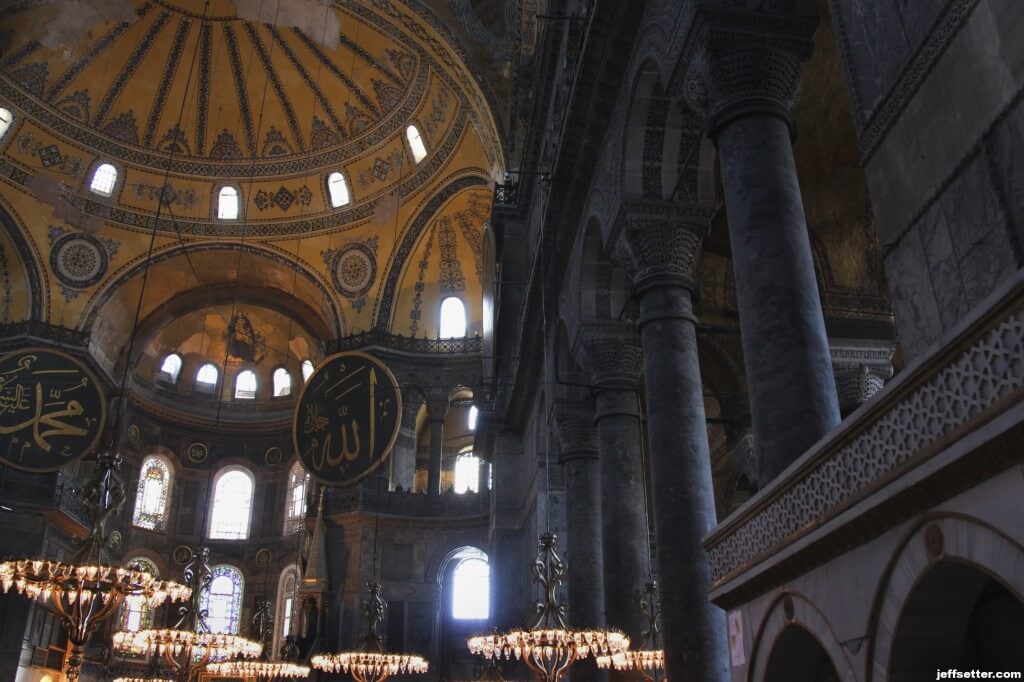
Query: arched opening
(153, 494)
(227, 203)
(287, 590)
(338, 189)
(103, 180)
(206, 378)
(170, 368)
(798, 657)
(416, 145)
(295, 505)
(136, 613)
(471, 587)
(452, 318)
(467, 472)
(245, 385)
(232, 504)
(282, 382)
(957, 617)
(223, 600)
(307, 370)
(464, 577)
(6, 119)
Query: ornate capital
(665, 251)
(861, 367)
(577, 434)
(612, 354)
(748, 63)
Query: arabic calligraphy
(52, 409)
(347, 419)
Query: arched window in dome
(307, 370)
(206, 378)
(282, 382)
(245, 385)
(103, 179)
(152, 494)
(136, 614)
(223, 601)
(6, 119)
(453, 318)
(338, 189)
(471, 585)
(227, 203)
(232, 504)
(419, 150)
(295, 506)
(287, 588)
(472, 417)
(170, 368)
(467, 473)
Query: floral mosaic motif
(174, 142)
(79, 260)
(438, 112)
(381, 169)
(164, 87)
(275, 144)
(356, 120)
(203, 100)
(235, 57)
(451, 278)
(417, 300)
(225, 148)
(353, 270)
(389, 96)
(283, 198)
(403, 62)
(32, 78)
(76, 105)
(131, 66)
(123, 127)
(322, 136)
(168, 194)
(50, 155)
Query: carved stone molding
(577, 434)
(612, 354)
(663, 248)
(861, 367)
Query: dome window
(206, 378)
(103, 180)
(419, 150)
(453, 318)
(227, 203)
(6, 119)
(307, 370)
(338, 189)
(282, 382)
(245, 385)
(170, 368)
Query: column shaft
(436, 444)
(586, 565)
(403, 471)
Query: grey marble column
(614, 359)
(578, 449)
(403, 469)
(436, 451)
(694, 630)
(751, 81)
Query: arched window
(206, 378)
(453, 318)
(223, 601)
(136, 614)
(338, 189)
(287, 588)
(282, 382)
(152, 495)
(295, 506)
(6, 119)
(419, 150)
(245, 384)
(471, 585)
(307, 370)
(103, 180)
(227, 203)
(170, 368)
(232, 504)
(467, 473)
(471, 419)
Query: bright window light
(471, 587)
(338, 189)
(223, 600)
(227, 203)
(419, 150)
(295, 506)
(245, 385)
(103, 180)
(171, 367)
(453, 318)
(6, 118)
(232, 504)
(282, 382)
(307, 370)
(152, 494)
(467, 474)
(471, 420)
(206, 377)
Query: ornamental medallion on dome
(353, 269)
(79, 260)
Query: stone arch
(38, 305)
(793, 610)
(603, 288)
(933, 542)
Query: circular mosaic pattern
(182, 554)
(263, 557)
(78, 260)
(134, 435)
(197, 452)
(114, 543)
(354, 270)
(273, 456)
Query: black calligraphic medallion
(347, 418)
(52, 410)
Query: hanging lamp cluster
(650, 661)
(549, 647)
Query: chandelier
(549, 647)
(371, 662)
(649, 662)
(189, 647)
(87, 589)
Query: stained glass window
(286, 593)
(471, 585)
(338, 189)
(295, 508)
(232, 504)
(152, 494)
(170, 367)
(136, 614)
(453, 318)
(223, 601)
(419, 150)
(282, 382)
(104, 179)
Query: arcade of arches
(728, 295)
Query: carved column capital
(611, 351)
(861, 367)
(576, 431)
(664, 248)
(747, 63)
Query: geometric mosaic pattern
(974, 381)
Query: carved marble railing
(364, 498)
(407, 344)
(975, 376)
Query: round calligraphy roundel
(52, 410)
(347, 418)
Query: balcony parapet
(941, 426)
(363, 498)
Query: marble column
(694, 630)
(751, 83)
(614, 359)
(436, 452)
(403, 470)
(578, 449)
